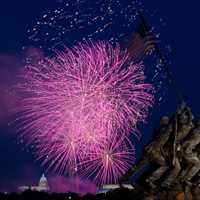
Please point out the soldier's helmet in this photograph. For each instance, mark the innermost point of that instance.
(164, 120)
(181, 108)
(183, 118)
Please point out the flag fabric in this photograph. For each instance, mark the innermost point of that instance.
(141, 44)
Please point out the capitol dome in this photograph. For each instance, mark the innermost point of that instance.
(43, 183)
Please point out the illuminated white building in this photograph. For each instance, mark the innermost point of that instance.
(42, 186)
(109, 187)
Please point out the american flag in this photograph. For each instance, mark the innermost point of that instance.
(141, 44)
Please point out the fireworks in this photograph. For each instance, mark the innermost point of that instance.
(109, 161)
(84, 20)
(79, 109)
(70, 22)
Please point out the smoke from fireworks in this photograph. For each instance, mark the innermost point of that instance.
(79, 108)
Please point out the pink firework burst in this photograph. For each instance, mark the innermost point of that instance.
(76, 101)
(109, 161)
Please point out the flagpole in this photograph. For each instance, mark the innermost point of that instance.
(163, 62)
(171, 78)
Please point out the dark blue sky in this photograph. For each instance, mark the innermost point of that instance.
(181, 33)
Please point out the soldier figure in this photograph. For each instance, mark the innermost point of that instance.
(191, 156)
(154, 153)
(184, 126)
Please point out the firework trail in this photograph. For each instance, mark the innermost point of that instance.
(77, 104)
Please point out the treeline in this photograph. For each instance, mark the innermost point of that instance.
(117, 194)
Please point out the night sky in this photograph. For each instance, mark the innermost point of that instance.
(181, 33)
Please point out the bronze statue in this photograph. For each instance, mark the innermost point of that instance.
(154, 153)
(176, 149)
